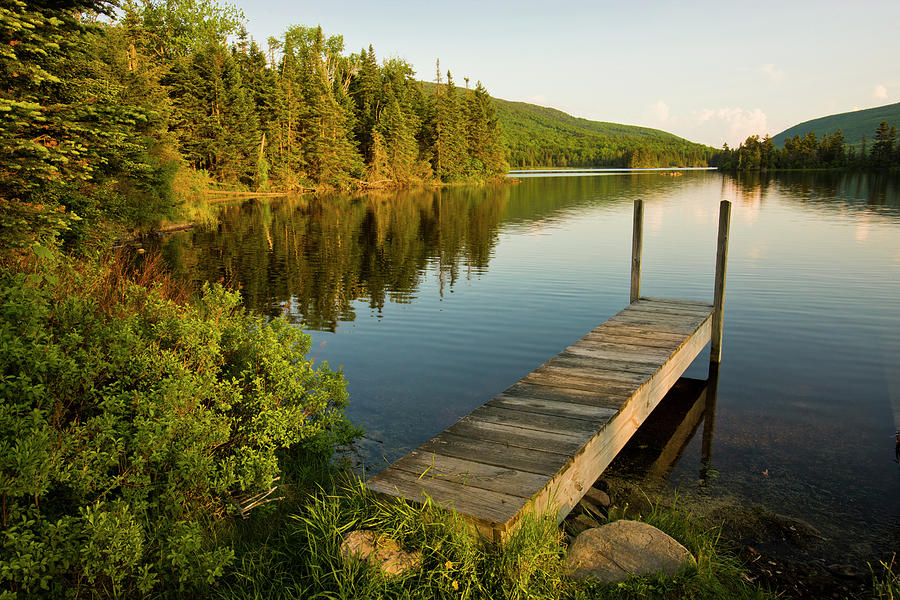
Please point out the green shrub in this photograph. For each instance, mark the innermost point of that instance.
(132, 420)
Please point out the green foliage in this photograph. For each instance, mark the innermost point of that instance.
(321, 75)
(537, 136)
(883, 153)
(101, 118)
(886, 580)
(855, 125)
(173, 29)
(302, 559)
(812, 152)
(76, 120)
(132, 421)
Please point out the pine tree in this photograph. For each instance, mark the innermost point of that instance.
(395, 129)
(328, 152)
(236, 149)
(367, 95)
(450, 156)
(483, 133)
(261, 86)
(70, 124)
(883, 148)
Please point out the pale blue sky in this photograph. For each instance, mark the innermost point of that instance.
(710, 72)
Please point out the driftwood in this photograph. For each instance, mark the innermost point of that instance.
(380, 184)
(249, 194)
(245, 504)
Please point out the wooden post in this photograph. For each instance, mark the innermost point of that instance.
(709, 421)
(715, 352)
(636, 243)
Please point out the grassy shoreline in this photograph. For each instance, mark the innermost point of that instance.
(293, 551)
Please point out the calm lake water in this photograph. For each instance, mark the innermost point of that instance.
(435, 301)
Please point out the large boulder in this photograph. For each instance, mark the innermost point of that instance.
(624, 548)
(380, 551)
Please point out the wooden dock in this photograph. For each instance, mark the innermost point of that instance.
(541, 443)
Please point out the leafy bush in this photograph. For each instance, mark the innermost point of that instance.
(132, 419)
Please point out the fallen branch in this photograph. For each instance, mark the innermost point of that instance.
(245, 504)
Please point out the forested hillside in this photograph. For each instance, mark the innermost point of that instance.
(537, 136)
(810, 151)
(854, 126)
(116, 115)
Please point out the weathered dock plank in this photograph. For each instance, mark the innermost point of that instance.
(489, 453)
(542, 442)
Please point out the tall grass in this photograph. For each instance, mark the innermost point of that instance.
(886, 580)
(295, 553)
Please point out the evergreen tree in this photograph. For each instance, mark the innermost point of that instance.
(483, 133)
(831, 150)
(450, 156)
(262, 87)
(395, 131)
(328, 152)
(236, 148)
(883, 148)
(71, 136)
(366, 91)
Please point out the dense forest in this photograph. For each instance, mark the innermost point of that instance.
(538, 136)
(116, 112)
(813, 152)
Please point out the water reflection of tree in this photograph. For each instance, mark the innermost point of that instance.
(823, 189)
(313, 257)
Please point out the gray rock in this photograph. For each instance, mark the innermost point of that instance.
(624, 548)
(598, 497)
(380, 551)
(797, 527)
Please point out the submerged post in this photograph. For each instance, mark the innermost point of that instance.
(636, 242)
(709, 419)
(718, 316)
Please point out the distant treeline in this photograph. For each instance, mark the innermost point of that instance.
(112, 112)
(812, 152)
(577, 154)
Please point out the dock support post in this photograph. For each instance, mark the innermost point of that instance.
(718, 316)
(709, 421)
(636, 243)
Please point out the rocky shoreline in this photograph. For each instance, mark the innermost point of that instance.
(784, 554)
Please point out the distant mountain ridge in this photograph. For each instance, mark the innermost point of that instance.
(852, 124)
(538, 136)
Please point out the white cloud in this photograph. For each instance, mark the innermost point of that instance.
(772, 72)
(730, 124)
(880, 92)
(657, 114)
